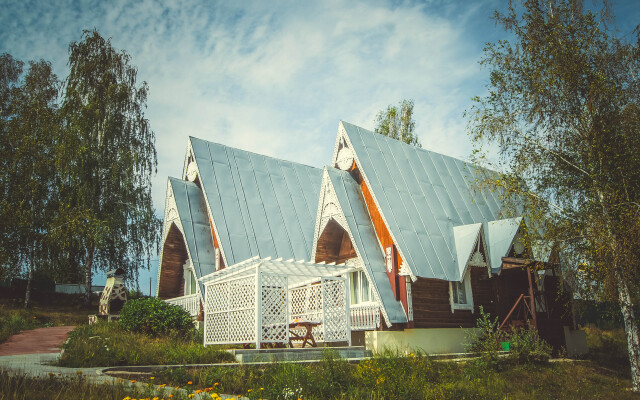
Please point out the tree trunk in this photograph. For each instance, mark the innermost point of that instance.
(27, 295)
(630, 326)
(87, 277)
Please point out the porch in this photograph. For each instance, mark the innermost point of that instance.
(264, 301)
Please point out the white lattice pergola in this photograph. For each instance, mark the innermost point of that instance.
(255, 301)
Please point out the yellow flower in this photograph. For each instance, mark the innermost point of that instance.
(152, 378)
(189, 383)
(79, 372)
(249, 391)
(127, 398)
(198, 391)
(216, 384)
(133, 381)
(191, 395)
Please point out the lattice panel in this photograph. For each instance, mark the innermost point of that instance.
(306, 305)
(334, 307)
(230, 309)
(274, 315)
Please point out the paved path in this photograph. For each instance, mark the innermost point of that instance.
(36, 341)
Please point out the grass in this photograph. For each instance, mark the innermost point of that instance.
(418, 377)
(106, 344)
(608, 348)
(52, 309)
(23, 388)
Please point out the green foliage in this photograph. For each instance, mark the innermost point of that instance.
(608, 348)
(155, 317)
(107, 344)
(397, 123)
(485, 341)
(526, 347)
(563, 109)
(395, 376)
(15, 322)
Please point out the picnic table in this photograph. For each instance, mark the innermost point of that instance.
(307, 337)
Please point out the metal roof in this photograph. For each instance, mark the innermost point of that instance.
(353, 206)
(298, 272)
(195, 223)
(465, 237)
(261, 206)
(422, 195)
(501, 234)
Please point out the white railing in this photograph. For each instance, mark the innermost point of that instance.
(190, 303)
(365, 317)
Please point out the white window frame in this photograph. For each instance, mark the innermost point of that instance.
(189, 279)
(469, 294)
(361, 278)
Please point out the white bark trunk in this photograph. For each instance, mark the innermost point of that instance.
(631, 327)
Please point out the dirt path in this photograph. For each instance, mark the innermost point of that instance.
(36, 341)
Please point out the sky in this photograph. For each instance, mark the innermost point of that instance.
(276, 77)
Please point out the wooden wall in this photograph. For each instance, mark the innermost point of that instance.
(174, 255)
(334, 245)
(432, 309)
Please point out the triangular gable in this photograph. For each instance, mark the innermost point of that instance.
(501, 234)
(421, 196)
(466, 238)
(341, 201)
(258, 205)
(186, 209)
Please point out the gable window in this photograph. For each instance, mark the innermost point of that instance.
(190, 284)
(460, 294)
(360, 289)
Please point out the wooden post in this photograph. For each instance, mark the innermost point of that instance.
(532, 299)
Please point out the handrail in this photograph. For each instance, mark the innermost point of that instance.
(365, 317)
(190, 303)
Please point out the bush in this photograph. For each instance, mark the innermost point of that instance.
(107, 344)
(526, 346)
(486, 341)
(154, 317)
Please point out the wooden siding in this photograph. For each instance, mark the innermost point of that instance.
(174, 255)
(432, 309)
(334, 245)
(215, 243)
(376, 218)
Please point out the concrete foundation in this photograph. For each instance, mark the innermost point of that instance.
(430, 341)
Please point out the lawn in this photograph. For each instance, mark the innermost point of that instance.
(106, 344)
(48, 309)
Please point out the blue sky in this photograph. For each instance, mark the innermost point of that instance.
(276, 77)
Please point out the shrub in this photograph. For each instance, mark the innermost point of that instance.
(154, 317)
(526, 346)
(486, 341)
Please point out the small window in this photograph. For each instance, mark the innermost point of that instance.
(360, 288)
(460, 294)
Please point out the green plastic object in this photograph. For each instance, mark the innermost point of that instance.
(505, 346)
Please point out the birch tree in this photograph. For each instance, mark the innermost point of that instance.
(563, 108)
(29, 136)
(397, 122)
(106, 159)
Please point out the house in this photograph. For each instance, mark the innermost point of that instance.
(400, 236)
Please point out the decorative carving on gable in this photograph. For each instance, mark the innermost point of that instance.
(345, 158)
(192, 171)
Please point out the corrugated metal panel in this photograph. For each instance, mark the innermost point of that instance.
(261, 206)
(192, 212)
(353, 207)
(422, 196)
(500, 236)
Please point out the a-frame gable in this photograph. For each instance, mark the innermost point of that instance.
(340, 202)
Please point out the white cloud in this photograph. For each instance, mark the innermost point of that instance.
(273, 78)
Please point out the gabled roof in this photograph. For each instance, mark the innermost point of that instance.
(465, 237)
(422, 195)
(195, 225)
(352, 204)
(261, 206)
(501, 234)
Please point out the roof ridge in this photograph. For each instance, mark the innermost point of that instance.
(254, 153)
(468, 162)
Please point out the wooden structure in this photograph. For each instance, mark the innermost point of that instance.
(425, 248)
